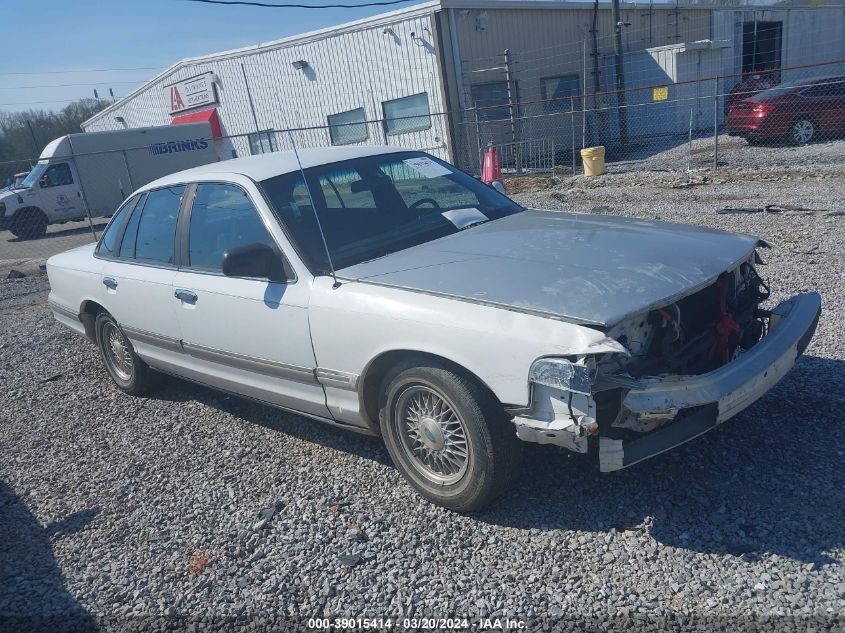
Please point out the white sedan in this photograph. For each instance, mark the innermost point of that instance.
(387, 292)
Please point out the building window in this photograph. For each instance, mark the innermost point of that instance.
(263, 142)
(348, 127)
(407, 114)
(555, 90)
(487, 96)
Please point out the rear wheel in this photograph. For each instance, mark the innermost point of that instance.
(802, 131)
(127, 370)
(29, 224)
(447, 436)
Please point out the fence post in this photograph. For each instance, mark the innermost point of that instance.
(716, 124)
(572, 126)
(584, 96)
(478, 138)
(512, 110)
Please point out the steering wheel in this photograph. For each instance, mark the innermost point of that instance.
(422, 201)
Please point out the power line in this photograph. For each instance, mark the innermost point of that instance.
(269, 5)
(50, 101)
(91, 70)
(105, 82)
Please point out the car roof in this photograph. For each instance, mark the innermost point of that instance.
(271, 164)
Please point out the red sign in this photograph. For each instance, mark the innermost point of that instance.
(176, 102)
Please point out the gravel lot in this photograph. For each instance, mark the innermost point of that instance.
(189, 507)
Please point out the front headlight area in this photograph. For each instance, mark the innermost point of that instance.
(562, 410)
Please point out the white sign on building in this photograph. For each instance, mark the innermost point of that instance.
(191, 93)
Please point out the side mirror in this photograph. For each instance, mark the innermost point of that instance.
(254, 260)
(498, 186)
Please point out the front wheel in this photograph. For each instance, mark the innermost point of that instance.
(29, 224)
(127, 370)
(447, 436)
(802, 131)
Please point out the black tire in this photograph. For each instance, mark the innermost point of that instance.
(131, 374)
(29, 224)
(493, 452)
(802, 131)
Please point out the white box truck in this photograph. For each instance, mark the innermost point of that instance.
(91, 173)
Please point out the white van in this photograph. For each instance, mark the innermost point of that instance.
(91, 173)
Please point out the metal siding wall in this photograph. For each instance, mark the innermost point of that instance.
(550, 42)
(347, 70)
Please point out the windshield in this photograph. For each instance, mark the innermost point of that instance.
(376, 205)
(34, 175)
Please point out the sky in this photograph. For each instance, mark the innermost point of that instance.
(59, 42)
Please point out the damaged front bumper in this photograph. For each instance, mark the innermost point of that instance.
(688, 406)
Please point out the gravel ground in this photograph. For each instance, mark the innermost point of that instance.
(190, 507)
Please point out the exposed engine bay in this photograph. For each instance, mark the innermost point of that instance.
(696, 334)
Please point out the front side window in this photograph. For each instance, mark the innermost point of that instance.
(407, 114)
(222, 218)
(555, 90)
(108, 243)
(57, 175)
(263, 142)
(348, 127)
(157, 225)
(372, 206)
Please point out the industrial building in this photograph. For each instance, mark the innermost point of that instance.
(448, 76)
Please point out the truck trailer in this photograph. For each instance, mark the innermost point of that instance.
(89, 174)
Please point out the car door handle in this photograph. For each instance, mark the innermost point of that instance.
(185, 295)
(109, 282)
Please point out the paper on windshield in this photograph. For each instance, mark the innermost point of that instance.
(426, 167)
(463, 218)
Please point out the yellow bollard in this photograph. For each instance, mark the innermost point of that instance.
(593, 159)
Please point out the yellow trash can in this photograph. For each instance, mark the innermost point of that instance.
(593, 159)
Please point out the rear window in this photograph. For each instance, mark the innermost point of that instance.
(108, 243)
(773, 93)
(157, 227)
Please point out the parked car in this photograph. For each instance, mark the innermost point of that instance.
(798, 112)
(386, 292)
(89, 174)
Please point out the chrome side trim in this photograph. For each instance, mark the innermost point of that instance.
(150, 338)
(65, 312)
(250, 363)
(333, 378)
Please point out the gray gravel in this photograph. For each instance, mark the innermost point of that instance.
(120, 511)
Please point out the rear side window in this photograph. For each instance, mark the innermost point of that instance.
(109, 242)
(222, 218)
(157, 226)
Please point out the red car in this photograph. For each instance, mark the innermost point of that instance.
(798, 112)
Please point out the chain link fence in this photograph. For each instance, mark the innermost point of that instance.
(642, 123)
(685, 126)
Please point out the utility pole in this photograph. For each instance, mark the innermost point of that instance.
(616, 18)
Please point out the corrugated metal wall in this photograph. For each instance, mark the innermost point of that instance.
(347, 69)
(546, 43)
(811, 35)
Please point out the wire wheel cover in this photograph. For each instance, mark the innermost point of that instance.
(432, 435)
